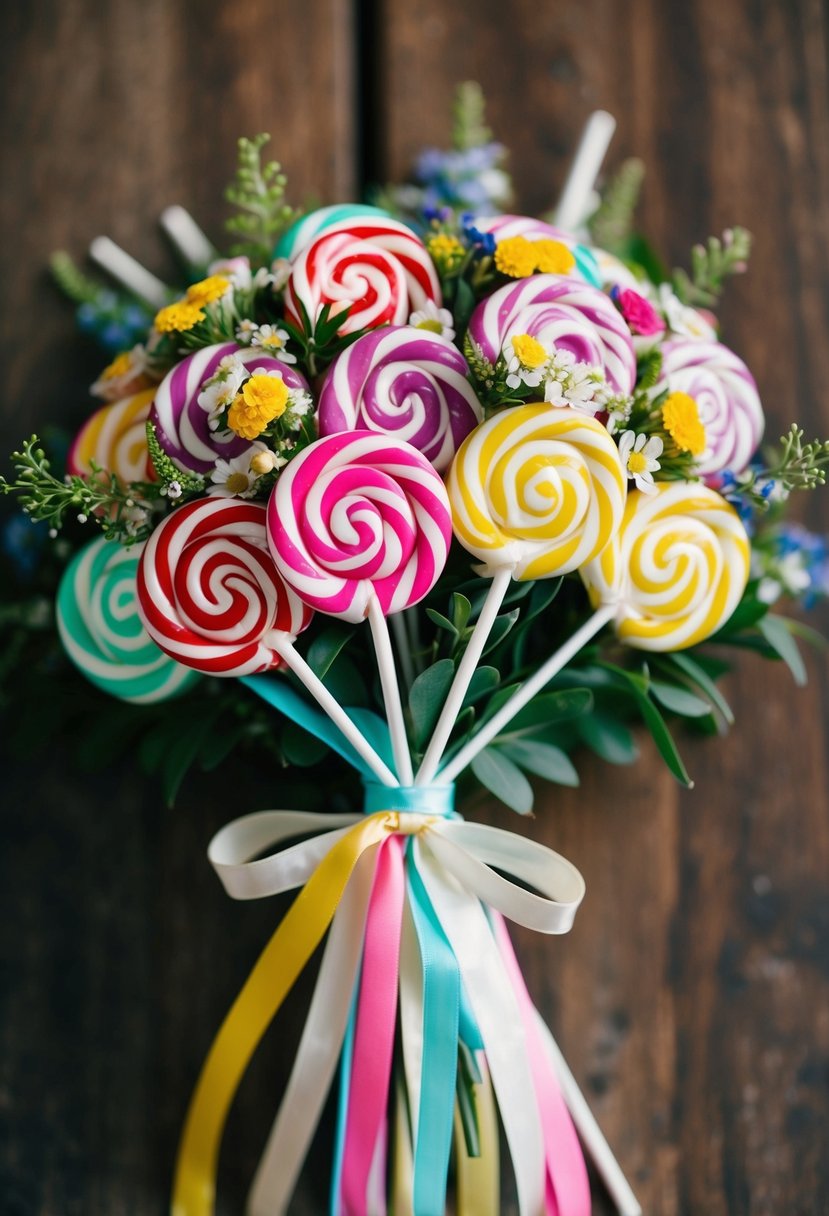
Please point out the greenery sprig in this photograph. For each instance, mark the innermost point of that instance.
(797, 466)
(124, 513)
(611, 225)
(469, 129)
(711, 265)
(258, 193)
(168, 473)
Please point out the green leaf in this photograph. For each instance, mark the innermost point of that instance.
(543, 759)
(461, 610)
(637, 685)
(441, 621)
(484, 680)
(608, 738)
(182, 753)
(504, 779)
(776, 632)
(679, 700)
(697, 674)
(326, 646)
(500, 628)
(548, 708)
(300, 748)
(747, 613)
(427, 696)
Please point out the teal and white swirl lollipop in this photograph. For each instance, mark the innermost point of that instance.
(101, 631)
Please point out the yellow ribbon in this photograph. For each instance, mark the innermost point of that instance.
(478, 1178)
(279, 965)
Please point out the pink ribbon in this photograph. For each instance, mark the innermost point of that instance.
(567, 1186)
(374, 1036)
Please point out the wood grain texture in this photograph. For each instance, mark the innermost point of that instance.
(692, 998)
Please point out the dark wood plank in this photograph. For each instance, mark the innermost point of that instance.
(692, 997)
(121, 953)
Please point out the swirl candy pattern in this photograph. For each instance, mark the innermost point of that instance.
(115, 439)
(182, 424)
(538, 489)
(357, 515)
(504, 226)
(726, 396)
(371, 272)
(209, 593)
(301, 233)
(407, 383)
(559, 312)
(677, 567)
(101, 631)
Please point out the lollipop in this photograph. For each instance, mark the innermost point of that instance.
(99, 625)
(359, 525)
(503, 227)
(182, 423)
(300, 234)
(676, 568)
(726, 396)
(407, 383)
(536, 492)
(371, 272)
(561, 313)
(115, 439)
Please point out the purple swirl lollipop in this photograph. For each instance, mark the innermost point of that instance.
(182, 422)
(562, 313)
(404, 382)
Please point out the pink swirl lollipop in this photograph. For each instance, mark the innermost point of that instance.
(183, 424)
(726, 396)
(403, 382)
(209, 593)
(371, 272)
(562, 313)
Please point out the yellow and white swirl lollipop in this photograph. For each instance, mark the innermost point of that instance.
(536, 491)
(676, 568)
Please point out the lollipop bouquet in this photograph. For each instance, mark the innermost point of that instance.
(450, 491)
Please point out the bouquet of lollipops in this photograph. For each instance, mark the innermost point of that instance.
(450, 492)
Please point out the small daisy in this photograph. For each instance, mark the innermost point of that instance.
(272, 340)
(237, 270)
(220, 391)
(528, 362)
(640, 456)
(435, 320)
(234, 478)
(280, 273)
(683, 320)
(245, 331)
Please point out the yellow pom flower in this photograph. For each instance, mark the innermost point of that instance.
(262, 399)
(515, 257)
(208, 290)
(553, 257)
(445, 251)
(529, 351)
(119, 366)
(681, 420)
(178, 317)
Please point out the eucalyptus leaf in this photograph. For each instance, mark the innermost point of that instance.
(608, 738)
(484, 681)
(679, 700)
(543, 759)
(326, 646)
(699, 676)
(461, 610)
(301, 748)
(427, 696)
(501, 627)
(778, 635)
(504, 779)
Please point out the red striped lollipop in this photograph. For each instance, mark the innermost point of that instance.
(209, 593)
(371, 272)
(359, 515)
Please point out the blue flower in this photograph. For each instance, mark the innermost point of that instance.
(22, 540)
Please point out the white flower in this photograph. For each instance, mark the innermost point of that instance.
(234, 478)
(280, 273)
(618, 408)
(528, 361)
(235, 269)
(219, 391)
(681, 319)
(640, 456)
(174, 489)
(245, 331)
(271, 339)
(262, 278)
(124, 375)
(435, 320)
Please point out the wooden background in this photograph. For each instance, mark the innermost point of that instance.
(692, 998)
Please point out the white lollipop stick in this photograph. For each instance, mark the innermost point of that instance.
(591, 1134)
(391, 691)
(526, 692)
(129, 273)
(575, 197)
(399, 625)
(187, 237)
(463, 676)
(285, 649)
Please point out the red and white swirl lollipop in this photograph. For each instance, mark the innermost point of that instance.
(727, 400)
(360, 525)
(371, 272)
(403, 382)
(182, 422)
(211, 597)
(560, 313)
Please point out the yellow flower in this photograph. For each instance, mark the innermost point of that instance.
(529, 351)
(445, 251)
(208, 290)
(178, 317)
(515, 257)
(553, 257)
(681, 419)
(119, 366)
(262, 399)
